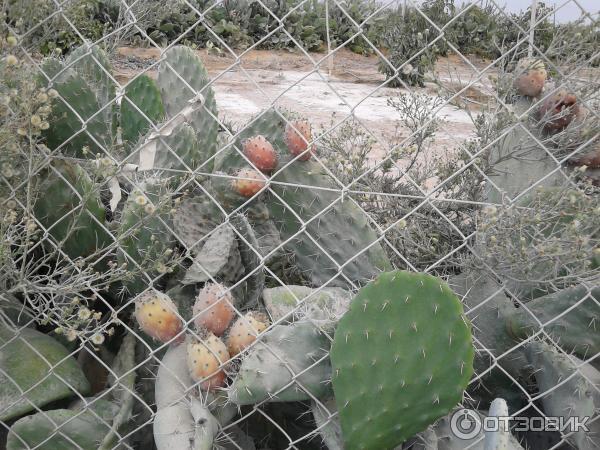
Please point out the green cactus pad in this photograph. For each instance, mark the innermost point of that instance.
(141, 94)
(91, 62)
(401, 357)
(77, 103)
(251, 260)
(194, 218)
(564, 391)
(34, 371)
(145, 236)
(324, 231)
(59, 429)
(323, 306)
(180, 73)
(71, 210)
(287, 362)
(178, 151)
(569, 317)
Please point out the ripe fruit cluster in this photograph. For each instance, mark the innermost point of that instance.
(260, 152)
(220, 336)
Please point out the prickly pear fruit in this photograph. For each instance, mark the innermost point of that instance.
(213, 309)
(157, 316)
(261, 153)
(530, 76)
(248, 182)
(244, 331)
(297, 137)
(558, 110)
(205, 359)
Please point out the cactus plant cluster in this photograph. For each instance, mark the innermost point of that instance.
(528, 281)
(205, 231)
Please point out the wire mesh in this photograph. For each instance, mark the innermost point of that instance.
(442, 167)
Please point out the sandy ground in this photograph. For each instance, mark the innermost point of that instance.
(303, 83)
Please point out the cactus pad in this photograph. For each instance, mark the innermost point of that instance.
(569, 316)
(323, 230)
(401, 357)
(71, 210)
(76, 121)
(35, 370)
(181, 77)
(287, 362)
(91, 62)
(145, 235)
(141, 94)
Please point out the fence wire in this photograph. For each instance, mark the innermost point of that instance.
(444, 168)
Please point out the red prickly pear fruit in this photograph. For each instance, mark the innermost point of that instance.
(157, 316)
(204, 359)
(213, 309)
(297, 137)
(261, 153)
(245, 330)
(559, 110)
(248, 182)
(530, 76)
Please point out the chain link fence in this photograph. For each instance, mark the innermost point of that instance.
(195, 194)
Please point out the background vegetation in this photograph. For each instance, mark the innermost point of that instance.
(237, 24)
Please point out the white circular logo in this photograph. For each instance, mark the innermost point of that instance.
(465, 424)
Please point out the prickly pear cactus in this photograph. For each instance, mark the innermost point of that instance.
(145, 235)
(75, 105)
(569, 317)
(401, 358)
(37, 365)
(141, 108)
(92, 63)
(185, 88)
(57, 430)
(71, 210)
(251, 259)
(194, 218)
(565, 392)
(288, 363)
(218, 257)
(323, 231)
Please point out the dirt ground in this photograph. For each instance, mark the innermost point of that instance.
(303, 83)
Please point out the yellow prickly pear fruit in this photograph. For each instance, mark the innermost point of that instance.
(248, 182)
(157, 316)
(205, 359)
(530, 76)
(245, 330)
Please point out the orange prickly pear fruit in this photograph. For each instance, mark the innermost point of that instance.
(205, 359)
(213, 309)
(157, 316)
(297, 136)
(244, 331)
(248, 182)
(260, 152)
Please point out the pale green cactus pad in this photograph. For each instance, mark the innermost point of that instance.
(35, 370)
